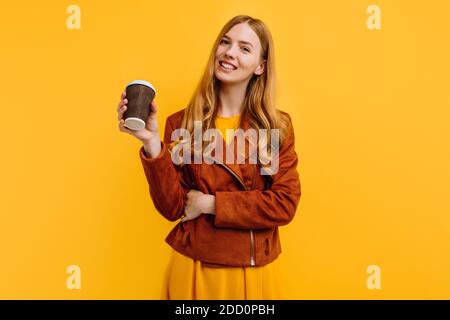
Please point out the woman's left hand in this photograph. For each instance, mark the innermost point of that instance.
(197, 203)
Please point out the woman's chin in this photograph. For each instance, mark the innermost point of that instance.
(224, 78)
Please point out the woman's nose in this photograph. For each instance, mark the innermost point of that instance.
(231, 52)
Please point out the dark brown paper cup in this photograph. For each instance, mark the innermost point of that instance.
(139, 94)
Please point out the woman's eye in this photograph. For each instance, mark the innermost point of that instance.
(226, 42)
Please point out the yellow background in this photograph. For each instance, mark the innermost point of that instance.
(371, 110)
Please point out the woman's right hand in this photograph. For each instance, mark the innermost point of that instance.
(149, 135)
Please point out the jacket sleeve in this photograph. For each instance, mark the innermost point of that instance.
(256, 209)
(168, 183)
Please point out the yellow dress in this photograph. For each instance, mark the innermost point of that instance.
(187, 279)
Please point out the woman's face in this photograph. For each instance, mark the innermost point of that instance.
(240, 46)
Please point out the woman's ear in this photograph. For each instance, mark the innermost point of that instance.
(261, 68)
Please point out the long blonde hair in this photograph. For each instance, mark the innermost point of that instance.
(260, 96)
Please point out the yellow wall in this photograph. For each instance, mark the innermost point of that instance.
(371, 109)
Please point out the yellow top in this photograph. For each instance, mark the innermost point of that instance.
(223, 123)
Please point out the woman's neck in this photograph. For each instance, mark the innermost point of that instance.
(231, 99)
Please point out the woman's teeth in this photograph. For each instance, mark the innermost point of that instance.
(227, 66)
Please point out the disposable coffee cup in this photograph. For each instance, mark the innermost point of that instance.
(139, 94)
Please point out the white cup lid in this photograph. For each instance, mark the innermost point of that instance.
(143, 82)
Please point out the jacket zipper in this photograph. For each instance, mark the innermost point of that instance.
(252, 237)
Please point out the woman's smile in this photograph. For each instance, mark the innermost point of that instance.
(223, 66)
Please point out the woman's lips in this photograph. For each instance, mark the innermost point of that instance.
(228, 63)
(225, 69)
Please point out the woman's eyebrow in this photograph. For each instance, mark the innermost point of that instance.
(241, 41)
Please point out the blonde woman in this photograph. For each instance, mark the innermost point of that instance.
(226, 242)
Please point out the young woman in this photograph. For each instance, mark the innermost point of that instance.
(226, 244)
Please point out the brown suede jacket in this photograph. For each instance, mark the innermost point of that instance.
(249, 205)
